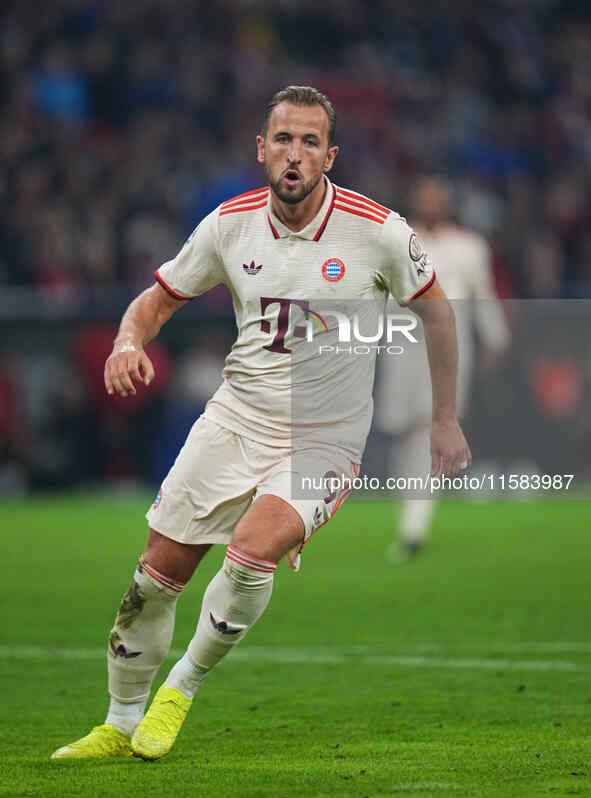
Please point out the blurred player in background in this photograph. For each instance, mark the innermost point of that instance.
(463, 259)
(275, 247)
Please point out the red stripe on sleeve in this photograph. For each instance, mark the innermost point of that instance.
(358, 213)
(420, 291)
(361, 198)
(171, 291)
(364, 207)
(237, 209)
(239, 198)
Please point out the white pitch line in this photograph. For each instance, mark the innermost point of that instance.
(315, 656)
(552, 647)
(495, 647)
(474, 663)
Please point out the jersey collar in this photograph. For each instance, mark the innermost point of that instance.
(313, 230)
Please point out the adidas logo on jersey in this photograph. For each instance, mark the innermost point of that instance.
(251, 268)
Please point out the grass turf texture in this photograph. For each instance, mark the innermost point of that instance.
(496, 703)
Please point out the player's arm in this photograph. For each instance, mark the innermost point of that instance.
(128, 362)
(449, 450)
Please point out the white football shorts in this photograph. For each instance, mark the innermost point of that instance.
(218, 474)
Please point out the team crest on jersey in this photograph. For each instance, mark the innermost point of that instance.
(333, 270)
(251, 268)
(158, 499)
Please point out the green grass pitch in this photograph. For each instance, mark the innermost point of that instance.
(465, 672)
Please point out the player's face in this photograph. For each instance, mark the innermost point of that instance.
(295, 150)
(430, 202)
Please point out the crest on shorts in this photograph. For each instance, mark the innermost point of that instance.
(250, 268)
(333, 270)
(158, 498)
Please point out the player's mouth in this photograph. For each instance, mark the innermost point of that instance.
(291, 177)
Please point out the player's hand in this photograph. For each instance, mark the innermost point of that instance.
(127, 364)
(450, 453)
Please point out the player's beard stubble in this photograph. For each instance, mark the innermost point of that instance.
(293, 196)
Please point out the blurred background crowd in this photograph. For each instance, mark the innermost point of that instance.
(123, 123)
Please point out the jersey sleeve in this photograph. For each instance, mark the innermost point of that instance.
(405, 264)
(198, 266)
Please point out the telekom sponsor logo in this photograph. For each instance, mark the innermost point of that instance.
(390, 326)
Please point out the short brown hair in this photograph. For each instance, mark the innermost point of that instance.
(302, 95)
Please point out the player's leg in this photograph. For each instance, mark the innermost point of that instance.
(143, 629)
(233, 601)
(139, 642)
(414, 523)
(411, 460)
(197, 505)
(278, 521)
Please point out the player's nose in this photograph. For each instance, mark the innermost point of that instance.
(294, 154)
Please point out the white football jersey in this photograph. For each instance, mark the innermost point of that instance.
(354, 249)
(464, 272)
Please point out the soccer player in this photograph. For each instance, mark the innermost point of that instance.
(298, 237)
(464, 271)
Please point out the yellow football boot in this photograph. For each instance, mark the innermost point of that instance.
(157, 732)
(102, 741)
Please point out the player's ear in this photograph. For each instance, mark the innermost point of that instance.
(330, 156)
(260, 149)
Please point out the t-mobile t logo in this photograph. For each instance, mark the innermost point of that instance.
(299, 331)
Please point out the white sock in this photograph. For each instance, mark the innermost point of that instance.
(234, 600)
(411, 458)
(141, 636)
(186, 677)
(415, 519)
(125, 717)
